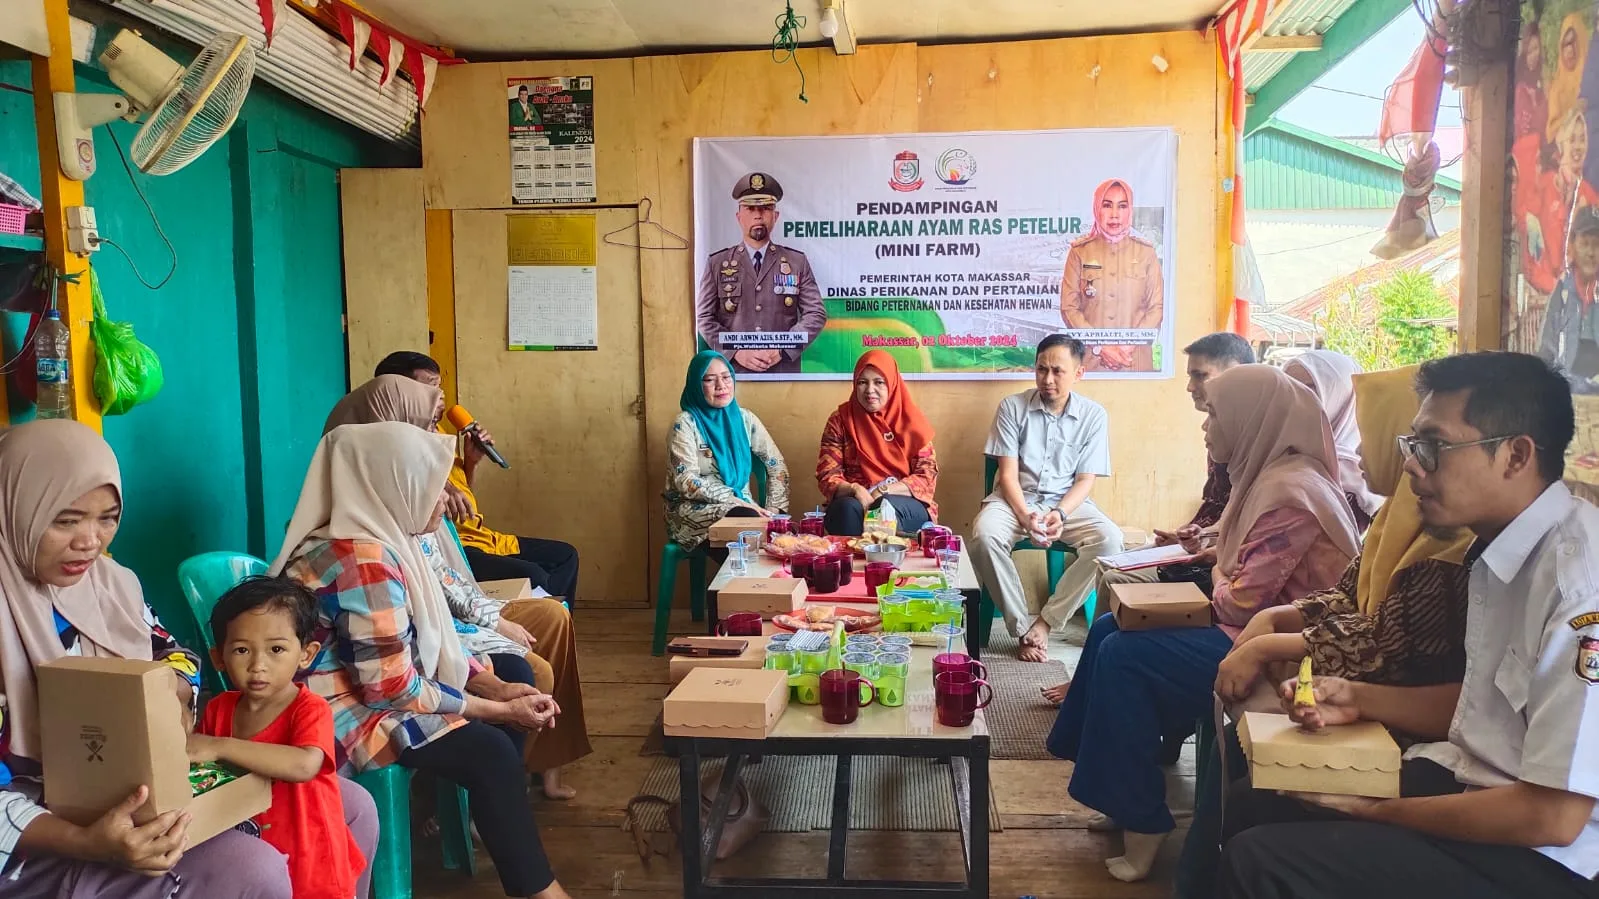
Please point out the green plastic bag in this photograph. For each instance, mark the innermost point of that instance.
(126, 372)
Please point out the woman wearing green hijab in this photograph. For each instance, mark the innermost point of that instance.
(711, 453)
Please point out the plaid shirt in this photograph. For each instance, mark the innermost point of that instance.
(838, 462)
(1218, 486)
(367, 669)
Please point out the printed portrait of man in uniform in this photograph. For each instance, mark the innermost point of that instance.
(1113, 280)
(758, 303)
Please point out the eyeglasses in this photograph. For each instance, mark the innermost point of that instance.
(1426, 450)
(716, 380)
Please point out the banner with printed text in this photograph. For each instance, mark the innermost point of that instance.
(955, 252)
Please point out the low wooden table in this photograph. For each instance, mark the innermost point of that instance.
(853, 596)
(909, 731)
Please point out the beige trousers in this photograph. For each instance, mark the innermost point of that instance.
(997, 531)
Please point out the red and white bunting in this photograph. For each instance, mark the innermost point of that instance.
(391, 51)
(272, 13)
(355, 31)
(421, 66)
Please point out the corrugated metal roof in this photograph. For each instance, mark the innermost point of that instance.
(1288, 167)
(1299, 17)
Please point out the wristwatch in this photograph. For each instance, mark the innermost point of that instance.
(881, 487)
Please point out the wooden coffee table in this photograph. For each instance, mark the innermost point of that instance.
(909, 731)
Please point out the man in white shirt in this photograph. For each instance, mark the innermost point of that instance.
(1051, 444)
(1514, 769)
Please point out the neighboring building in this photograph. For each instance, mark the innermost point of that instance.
(1315, 207)
(1293, 324)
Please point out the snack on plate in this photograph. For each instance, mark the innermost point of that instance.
(877, 538)
(823, 618)
(784, 545)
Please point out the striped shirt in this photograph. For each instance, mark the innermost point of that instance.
(367, 668)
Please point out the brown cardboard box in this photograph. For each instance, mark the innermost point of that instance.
(766, 595)
(508, 589)
(753, 656)
(726, 530)
(1142, 607)
(110, 725)
(1358, 759)
(727, 703)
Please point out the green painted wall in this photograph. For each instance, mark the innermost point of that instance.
(249, 329)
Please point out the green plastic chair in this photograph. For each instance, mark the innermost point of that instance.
(1054, 561)
(673, 555)
(204, 578)
(390, 787)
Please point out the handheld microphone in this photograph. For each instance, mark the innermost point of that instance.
(466, 424)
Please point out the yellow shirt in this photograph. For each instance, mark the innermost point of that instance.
(473, 531)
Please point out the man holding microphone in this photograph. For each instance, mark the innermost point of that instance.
(548, 564)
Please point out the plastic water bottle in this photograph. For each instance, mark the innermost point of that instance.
(53, 346)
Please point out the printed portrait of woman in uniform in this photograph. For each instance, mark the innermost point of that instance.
(1113, 281)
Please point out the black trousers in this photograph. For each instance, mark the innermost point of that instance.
(1284, 849)
(846, 517)
(483, 759)
(550, 564)
(513, 670)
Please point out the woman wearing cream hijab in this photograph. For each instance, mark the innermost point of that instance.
(1398, 615)
(60, 505)
(525, 641)
(389, 398)
(401, 687)
(1286, 532)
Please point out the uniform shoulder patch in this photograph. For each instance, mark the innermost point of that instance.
(1587, 619)
(1588, 659)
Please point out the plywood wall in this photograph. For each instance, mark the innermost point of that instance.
(567, 422)
(385, 269)
(649, 110)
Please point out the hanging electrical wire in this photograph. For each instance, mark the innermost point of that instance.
(786, 41)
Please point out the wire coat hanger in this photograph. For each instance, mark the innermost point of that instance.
(637, 227)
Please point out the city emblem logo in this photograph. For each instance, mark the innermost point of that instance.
(907, 172)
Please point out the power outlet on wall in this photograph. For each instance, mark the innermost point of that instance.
(83, 235)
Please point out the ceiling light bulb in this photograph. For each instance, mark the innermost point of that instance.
(829, 23)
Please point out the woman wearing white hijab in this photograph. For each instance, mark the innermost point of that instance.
(60, 505)
(401, 687)
(1331, 377)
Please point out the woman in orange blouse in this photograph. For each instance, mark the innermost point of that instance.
(877, 446)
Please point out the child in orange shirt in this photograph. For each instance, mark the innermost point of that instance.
(278, 729)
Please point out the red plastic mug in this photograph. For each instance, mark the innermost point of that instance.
(957, 696)
(959, 661)
(824, 576)
(844, 692)
(799, 564)
(877, 574)
(846, 566)
(933, 540)
(740, 624)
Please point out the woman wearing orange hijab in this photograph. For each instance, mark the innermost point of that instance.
(877, 446)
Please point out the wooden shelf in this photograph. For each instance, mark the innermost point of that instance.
(30, 243)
